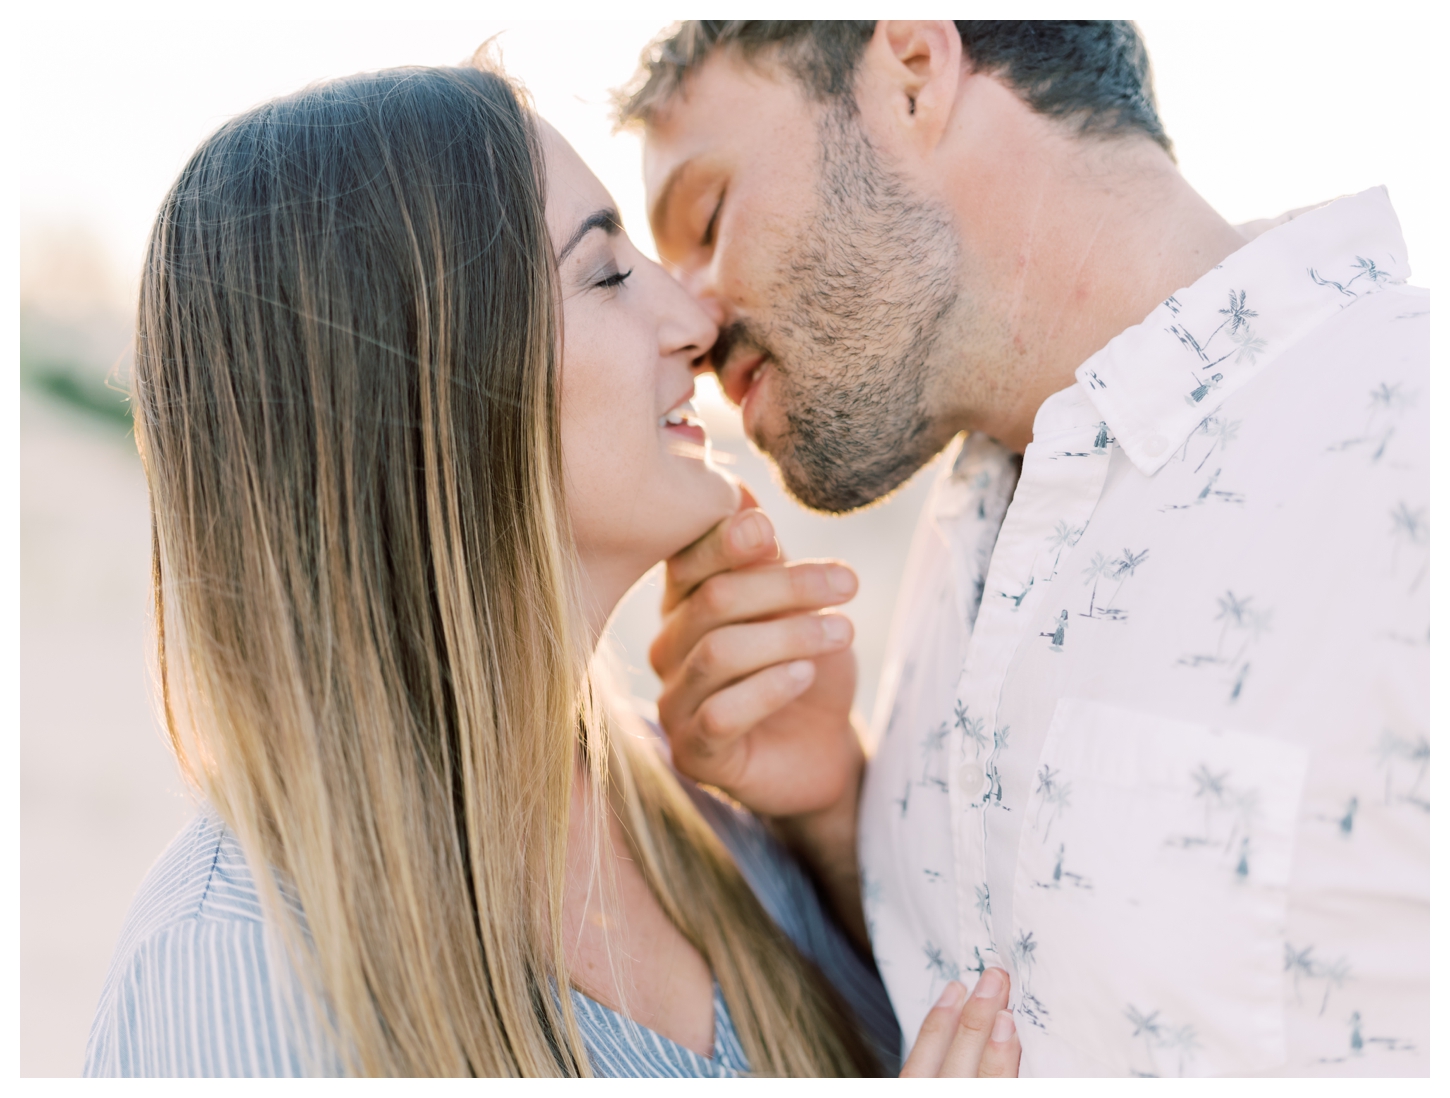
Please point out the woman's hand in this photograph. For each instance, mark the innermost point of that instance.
(967, 1037)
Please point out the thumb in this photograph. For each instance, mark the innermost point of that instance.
(744, 538)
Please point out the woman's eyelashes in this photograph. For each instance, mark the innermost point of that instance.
(615, 279)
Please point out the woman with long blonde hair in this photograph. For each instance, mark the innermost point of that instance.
(414, 417)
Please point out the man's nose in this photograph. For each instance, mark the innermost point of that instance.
(699, 282)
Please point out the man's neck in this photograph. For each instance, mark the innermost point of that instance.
(1083, 241)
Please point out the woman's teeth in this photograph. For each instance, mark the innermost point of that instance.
(679, 416)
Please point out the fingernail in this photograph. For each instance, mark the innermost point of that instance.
(952, 996)
(750, 532)
(989, 986)
(800, 670)
(1003, 1027)
(842, 580)
(836, 628)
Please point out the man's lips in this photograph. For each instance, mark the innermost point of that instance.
(737, 377)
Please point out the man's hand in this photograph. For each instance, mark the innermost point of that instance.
(758, 678)
(968, 1038)
(757, 682)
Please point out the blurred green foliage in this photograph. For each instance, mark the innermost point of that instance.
(70, 384)
(76, 363)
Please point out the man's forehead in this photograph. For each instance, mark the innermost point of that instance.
(715, 112)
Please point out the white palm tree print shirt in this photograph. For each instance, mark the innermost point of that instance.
(1154, 721)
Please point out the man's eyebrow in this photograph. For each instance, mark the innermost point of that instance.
(606, 219)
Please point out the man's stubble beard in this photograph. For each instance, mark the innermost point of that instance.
(865, 300)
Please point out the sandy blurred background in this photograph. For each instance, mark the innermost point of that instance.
(1266, 117)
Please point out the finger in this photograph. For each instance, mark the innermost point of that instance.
(755, 593)
(727, 655)
(974, 1028)
(727, 715)
(926, 1056)
(746, 537)
(1003, 1053)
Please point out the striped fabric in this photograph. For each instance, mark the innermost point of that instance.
(621, 1048)
(191, 990)
(196, 989)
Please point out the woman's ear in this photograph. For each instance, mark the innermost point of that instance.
(910, 74)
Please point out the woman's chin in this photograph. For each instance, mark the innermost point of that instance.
(732, 489)
(718, 499)
(711, 497)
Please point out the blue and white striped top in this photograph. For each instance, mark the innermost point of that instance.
(192, 990)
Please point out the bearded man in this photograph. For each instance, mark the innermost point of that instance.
(1153, 734)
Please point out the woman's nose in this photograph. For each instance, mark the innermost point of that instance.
(690, 328)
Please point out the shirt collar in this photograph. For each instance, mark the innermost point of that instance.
(1154, 383)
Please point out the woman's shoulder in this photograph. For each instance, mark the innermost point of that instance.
(191, 991)
(202, 875)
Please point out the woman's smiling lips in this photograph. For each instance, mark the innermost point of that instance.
(683, 422)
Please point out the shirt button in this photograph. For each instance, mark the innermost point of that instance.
(1154, 445)
(969, 777)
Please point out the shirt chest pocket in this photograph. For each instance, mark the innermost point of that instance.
(1150, 894)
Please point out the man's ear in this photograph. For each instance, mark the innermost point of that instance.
(909, 79)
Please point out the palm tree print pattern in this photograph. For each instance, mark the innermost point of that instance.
(972, 730)
(1016, 600)
(1247, 345)
(992, 796)
(942, 968)
(1227, 613)
(978, 968)
(1055, 794)
(1175, 1044)
(933, 749)
(984, 905)
(1304, 967)
(1024, 956)
(904, 801)
(1209, 493)
(1229, 815)
(1363, 268)
(1243, 625)
(1387, 403)
(1406, 766)
(1222, 431)
(1063, 538)
(1409, 526)
(1117, 570)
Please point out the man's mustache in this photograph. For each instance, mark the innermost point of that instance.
(736, 337)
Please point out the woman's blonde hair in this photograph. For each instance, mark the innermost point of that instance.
(371, 655)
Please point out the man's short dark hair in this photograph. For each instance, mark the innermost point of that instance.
(1092, 73)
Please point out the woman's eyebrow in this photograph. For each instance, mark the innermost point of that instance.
(606, 219)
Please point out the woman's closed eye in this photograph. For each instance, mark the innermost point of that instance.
(614, 279)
